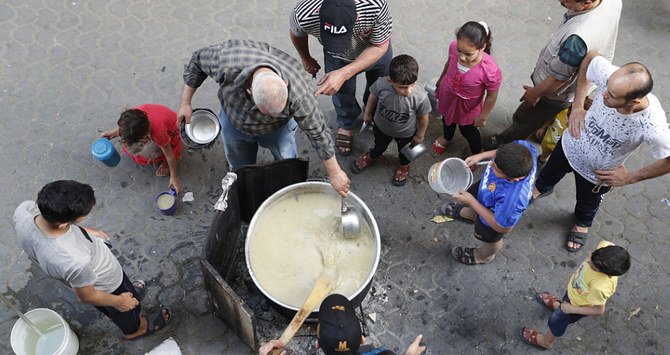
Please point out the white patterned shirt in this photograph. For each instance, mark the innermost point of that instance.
(610, 136)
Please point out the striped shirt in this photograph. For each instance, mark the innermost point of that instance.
(232, 64)
(374, 24)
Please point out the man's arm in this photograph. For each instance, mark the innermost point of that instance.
(185, 109)
(89, 295)
(548, 86)
(332, 81)
(578, 113)
(621, 176)
(301, 44)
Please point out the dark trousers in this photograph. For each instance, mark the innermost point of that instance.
(382, 142)
(527, 118)
(128, 322)
(469, 132)
(588, 201)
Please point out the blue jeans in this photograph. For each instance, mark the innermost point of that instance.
(559, 321)
(346, 106)
(241, 148)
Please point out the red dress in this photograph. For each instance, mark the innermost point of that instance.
(163, 130)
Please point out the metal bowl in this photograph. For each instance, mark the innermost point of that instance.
(203, 129)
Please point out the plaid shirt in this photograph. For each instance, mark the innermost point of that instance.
(232, 64)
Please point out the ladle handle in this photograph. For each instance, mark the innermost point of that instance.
(324, 284)
(21, 315)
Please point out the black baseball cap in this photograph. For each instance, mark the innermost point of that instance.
(337, 18)
(339, 330)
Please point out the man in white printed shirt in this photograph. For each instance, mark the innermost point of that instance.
(624, 115)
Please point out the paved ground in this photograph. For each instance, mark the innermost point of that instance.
(68, 68)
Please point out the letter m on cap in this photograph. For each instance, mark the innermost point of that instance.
(343, 346)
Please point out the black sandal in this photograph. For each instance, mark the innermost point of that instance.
(453, 210)
(464, 255)
(578, 238)
(158, 323)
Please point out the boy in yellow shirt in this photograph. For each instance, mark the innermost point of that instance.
(590, 286)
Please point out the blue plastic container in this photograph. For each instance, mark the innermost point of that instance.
(169, 206)
(103, 150)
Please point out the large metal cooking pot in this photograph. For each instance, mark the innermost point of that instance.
(321, 188)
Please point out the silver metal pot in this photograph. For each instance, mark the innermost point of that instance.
(322, 188)
(412, 152)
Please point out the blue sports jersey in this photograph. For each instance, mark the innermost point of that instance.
(508, 200)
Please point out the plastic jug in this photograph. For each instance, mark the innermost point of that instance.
(103, 150)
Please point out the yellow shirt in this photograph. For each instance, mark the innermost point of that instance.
(588, 287)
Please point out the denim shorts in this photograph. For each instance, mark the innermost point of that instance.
(559, 321)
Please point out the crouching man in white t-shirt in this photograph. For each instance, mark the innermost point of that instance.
(48, 232)
(623, 116)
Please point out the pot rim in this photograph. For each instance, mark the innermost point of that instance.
(322, 187)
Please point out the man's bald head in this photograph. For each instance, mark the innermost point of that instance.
(269, 92)
(637, 80)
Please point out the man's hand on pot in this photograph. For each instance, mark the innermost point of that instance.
(340, 182)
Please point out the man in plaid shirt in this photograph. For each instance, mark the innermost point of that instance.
(264, 97)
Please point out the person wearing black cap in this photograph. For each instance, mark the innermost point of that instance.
(339, 332)
(356, 38)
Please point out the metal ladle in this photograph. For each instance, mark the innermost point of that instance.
(351, 224)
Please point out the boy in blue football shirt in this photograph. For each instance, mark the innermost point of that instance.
(496, 203)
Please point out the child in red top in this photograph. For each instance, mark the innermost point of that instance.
(470, 72)
(150, 135)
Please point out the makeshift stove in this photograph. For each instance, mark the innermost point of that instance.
(232, 291)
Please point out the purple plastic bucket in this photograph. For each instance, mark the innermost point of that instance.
(166, 202)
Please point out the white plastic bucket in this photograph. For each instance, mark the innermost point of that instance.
(59, 339)
(450, 176)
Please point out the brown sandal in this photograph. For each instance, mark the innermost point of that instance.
(344, 143)
(361, 163)
(532, 339)
(548, 300)
(400, 177)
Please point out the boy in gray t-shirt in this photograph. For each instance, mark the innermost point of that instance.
(79, 257)
(401, 115)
